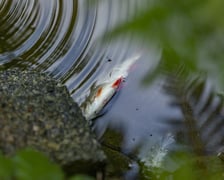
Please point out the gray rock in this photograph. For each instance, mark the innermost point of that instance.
(38, 112)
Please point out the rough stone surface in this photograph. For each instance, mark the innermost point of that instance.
(38, 112)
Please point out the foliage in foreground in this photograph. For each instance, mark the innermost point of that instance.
(188, 32)
(186, 167)
(28, 164)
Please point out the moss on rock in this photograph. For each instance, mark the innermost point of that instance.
(36, 111)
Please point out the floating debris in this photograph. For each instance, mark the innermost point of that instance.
(154, 157)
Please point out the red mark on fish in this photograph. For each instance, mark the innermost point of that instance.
(105, 91)
(117, 83)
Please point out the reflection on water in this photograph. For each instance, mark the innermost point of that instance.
(202, 111)
(63, 39)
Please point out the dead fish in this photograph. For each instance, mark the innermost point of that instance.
(103, 92)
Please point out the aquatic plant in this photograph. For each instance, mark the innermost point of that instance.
(200, 128)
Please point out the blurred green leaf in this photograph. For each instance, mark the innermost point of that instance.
(189, 167)
(34, 165)
(6, 168)
(212, 12)
(81, 177)
(189, 33)
(29, 164)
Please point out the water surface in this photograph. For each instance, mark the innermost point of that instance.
(65, 40)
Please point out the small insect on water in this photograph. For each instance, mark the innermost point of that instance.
(106, 90)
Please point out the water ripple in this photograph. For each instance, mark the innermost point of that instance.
(63, 38)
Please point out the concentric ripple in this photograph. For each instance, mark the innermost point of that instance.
(63, 38)
(36, 31)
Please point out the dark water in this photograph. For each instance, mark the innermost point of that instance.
(64, 39)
